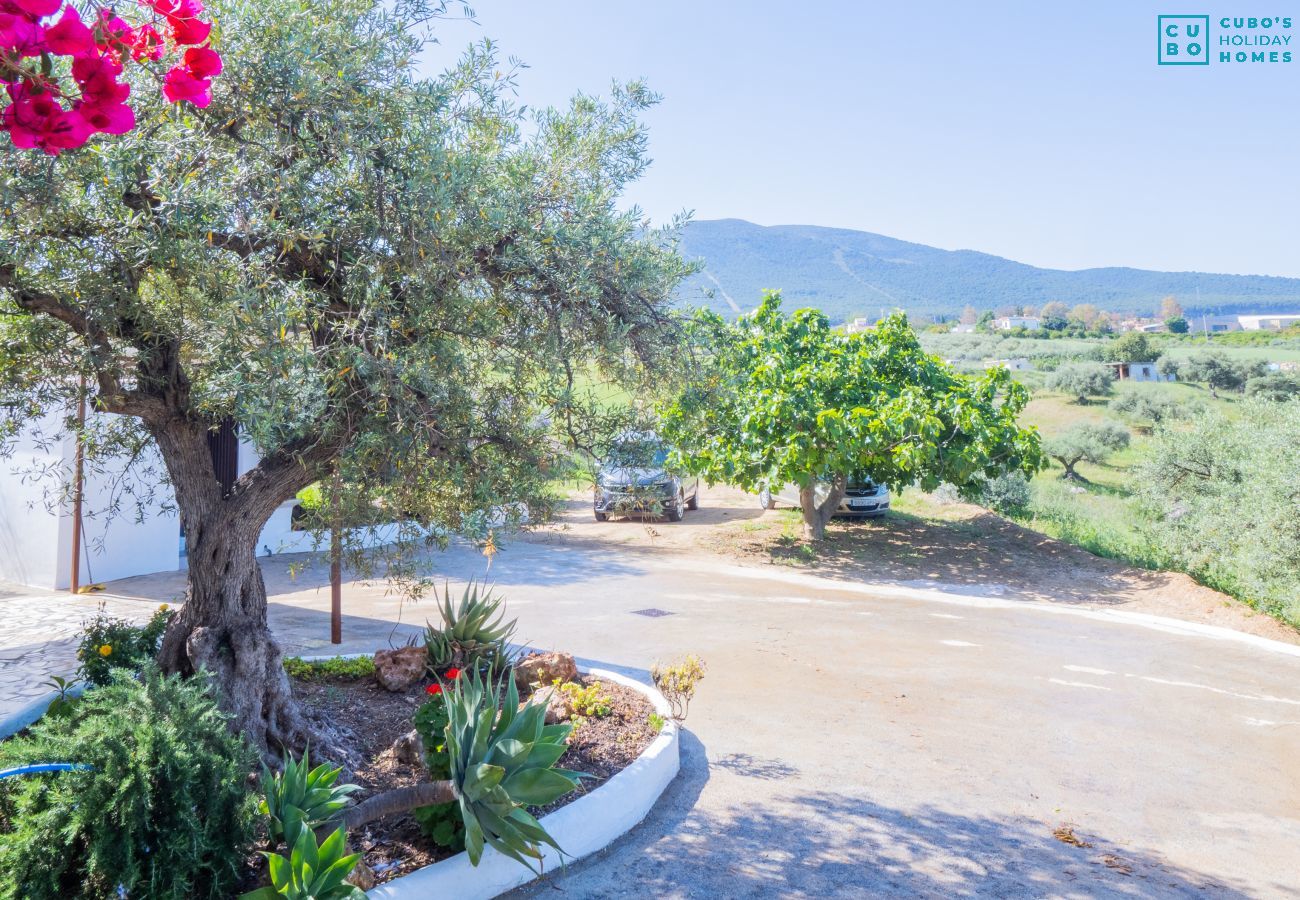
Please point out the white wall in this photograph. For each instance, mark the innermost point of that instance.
(30, 536)
(36, 530)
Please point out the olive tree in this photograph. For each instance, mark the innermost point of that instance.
(1083, 380)
(787, 399)
(1217, 371)
(374, 274)
(1222, 493)
(1085, 442)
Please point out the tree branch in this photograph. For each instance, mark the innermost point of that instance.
(401, 800)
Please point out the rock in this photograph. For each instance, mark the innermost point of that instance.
(557, 703)
(544, 668)
(409, 748)
(398, 669)
(362, 876)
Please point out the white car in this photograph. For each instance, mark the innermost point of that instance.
(862, 499)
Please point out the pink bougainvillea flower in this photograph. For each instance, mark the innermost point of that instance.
(97, 77)
(70, 36)
(203, 62)
(190, 31)
(111, 31)
(38, 121)
(113, 118)
(36, 8)
(19, 33)
(180, 85)
(148, 44)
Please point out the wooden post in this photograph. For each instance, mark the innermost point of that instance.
(336, 563)
(77, 490)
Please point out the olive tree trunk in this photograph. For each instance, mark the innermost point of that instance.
(222, 625)
(817, 516)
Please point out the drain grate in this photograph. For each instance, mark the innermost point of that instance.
(651, 613)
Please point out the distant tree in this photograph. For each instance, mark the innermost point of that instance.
(785, 399)
(1169, 308)
(1086, 315)
(1176, 325)
(1132, 346)
(1054, 322)
(1278, 387)
(1055, 308)
(1083, 380)
(986, 319)
(1147, 410)
(969, 315)
(1085, 442)
(1170, 366)
(1218, 372)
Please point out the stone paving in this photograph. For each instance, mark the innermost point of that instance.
(38, 637)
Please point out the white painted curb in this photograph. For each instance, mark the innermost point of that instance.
(582, 827)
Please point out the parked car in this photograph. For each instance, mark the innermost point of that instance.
(633, 480)
(862, 499)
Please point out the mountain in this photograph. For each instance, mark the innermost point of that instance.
(856, 273)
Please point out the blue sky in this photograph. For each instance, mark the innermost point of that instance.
(1043, 132)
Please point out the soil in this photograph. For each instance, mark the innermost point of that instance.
(369, 718)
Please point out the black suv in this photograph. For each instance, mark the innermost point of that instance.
(633, 481)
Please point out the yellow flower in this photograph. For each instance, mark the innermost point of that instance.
(164, 608)
(105, 649)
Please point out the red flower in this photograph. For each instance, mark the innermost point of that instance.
(433, 689)
(452, 673)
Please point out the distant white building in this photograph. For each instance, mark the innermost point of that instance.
(1213, 324)
(1138, 371)
(1151, 327)
(858, 324)
(964, 328)
(1007, 323)
(1271, 321)
(1019, 364)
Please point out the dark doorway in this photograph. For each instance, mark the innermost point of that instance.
(223, 443)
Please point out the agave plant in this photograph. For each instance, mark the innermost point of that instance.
(311, 871)
(474, 632)
(503, 760)
(301, 796)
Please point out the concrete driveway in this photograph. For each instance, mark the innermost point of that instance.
(864, 741)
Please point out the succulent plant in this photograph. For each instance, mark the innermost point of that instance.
(474, 632)
(503, 760)
(301, 796)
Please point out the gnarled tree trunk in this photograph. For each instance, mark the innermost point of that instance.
(222, 626)
(816, 516)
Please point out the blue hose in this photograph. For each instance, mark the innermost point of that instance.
(38, 768)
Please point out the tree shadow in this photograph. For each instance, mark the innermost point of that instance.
(975, 552)
(831, 845)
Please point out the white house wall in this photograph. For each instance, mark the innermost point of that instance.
(30, 536)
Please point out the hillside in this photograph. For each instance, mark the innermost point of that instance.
(848, 273)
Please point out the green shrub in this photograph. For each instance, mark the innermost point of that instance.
(108, 643)
(677, 682)
(334, 667)
(1007, 493)
(440, 822)
(587, 702)
(165, 812)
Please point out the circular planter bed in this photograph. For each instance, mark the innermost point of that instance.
(630, 763)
